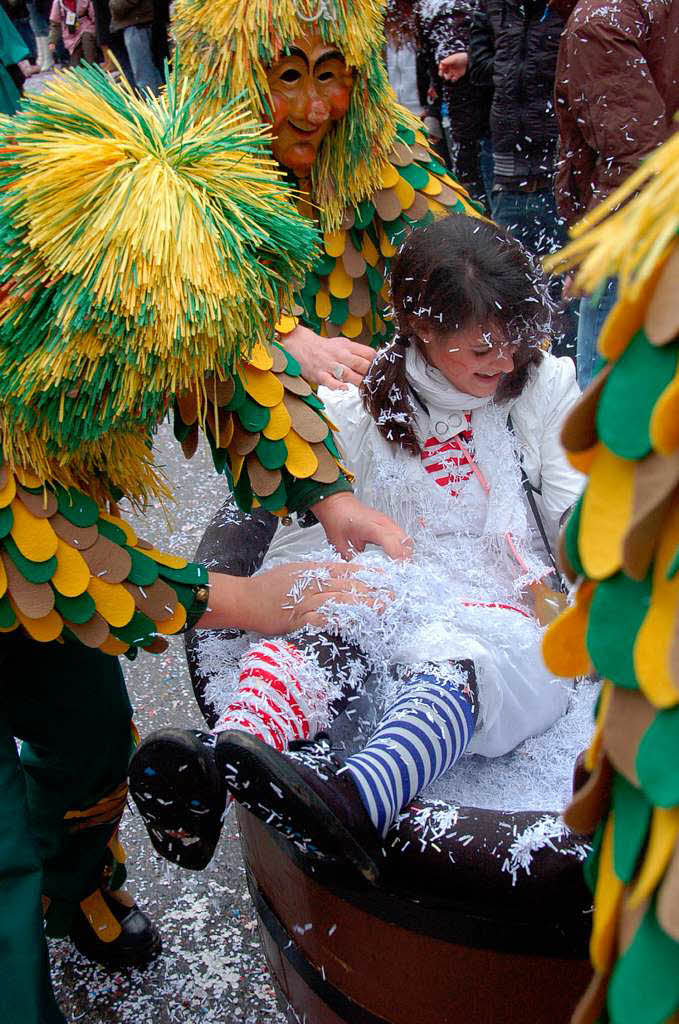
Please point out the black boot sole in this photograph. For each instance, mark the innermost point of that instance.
(284, 800)
(176, 786)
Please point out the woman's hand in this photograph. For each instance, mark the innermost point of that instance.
(331, 362)
(283, 599)
(454, 67)
(349, 525)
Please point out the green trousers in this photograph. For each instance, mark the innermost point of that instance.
(70, 707)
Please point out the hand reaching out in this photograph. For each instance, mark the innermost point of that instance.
(349, 525)
(283, 599)
(331, 362)
(454, 67)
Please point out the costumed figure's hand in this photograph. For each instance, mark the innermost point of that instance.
(283, 599)
(454, 67)
(349, 525)
(331, 362)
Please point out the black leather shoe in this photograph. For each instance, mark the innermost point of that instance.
(137, 944)
(304, 794)
(180, 794)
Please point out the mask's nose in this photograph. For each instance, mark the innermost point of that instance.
(318, 111)
(310, 107)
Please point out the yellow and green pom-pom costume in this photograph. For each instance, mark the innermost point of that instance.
(622, 543)
(145, 249)
(375, 177)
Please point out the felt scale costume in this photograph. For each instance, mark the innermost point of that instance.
(375, 177)
(144, 250)
(622, 543)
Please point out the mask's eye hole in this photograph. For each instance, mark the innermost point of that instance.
(290, 76)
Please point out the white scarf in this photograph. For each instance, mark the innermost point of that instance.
(495, 452)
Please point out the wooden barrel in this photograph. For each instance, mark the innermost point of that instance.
(340, 950)
(460, 928)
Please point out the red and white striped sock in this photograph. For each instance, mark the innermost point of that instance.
(271, 703)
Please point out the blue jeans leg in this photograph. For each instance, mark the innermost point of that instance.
(593, 313)
(38, 21)
(23, 27)
(533, 219)
(138, 45)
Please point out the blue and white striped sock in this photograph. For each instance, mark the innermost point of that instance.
(422, 735)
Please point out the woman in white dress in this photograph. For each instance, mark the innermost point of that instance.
(446, 423)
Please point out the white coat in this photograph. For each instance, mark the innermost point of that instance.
(461, 541)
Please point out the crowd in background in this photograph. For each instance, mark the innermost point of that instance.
(541, 108)
(128, 34)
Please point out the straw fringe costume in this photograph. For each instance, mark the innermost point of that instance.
(144, 250)
(622, 542)
(375, 177)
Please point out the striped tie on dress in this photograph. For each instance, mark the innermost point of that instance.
(446, 461)
(422, 735)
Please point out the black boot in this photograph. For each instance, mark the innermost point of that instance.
(138, 942)
(304, 794)
(178, 789)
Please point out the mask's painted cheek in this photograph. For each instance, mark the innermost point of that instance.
(339, 98)
(281, 109)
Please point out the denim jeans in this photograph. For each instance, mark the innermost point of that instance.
(533, 219)
(23, 27)
(593, 312)
(38, 22)
(138, 45)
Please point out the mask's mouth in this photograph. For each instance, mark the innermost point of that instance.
(306, 132)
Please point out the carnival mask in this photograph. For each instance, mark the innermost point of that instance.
(310, 89)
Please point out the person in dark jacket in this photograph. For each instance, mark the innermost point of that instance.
(513, 47)
(443, 30)
(17, 11)
(617, 91)
(137, 19)
(111, 44)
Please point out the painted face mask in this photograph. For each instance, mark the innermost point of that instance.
(248, 47)
(310, 89)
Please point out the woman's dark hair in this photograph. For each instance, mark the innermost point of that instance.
(456, 273)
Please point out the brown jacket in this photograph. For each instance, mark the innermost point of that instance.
(130, 12)
(617, 89)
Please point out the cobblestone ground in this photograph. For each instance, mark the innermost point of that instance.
(212, 970)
